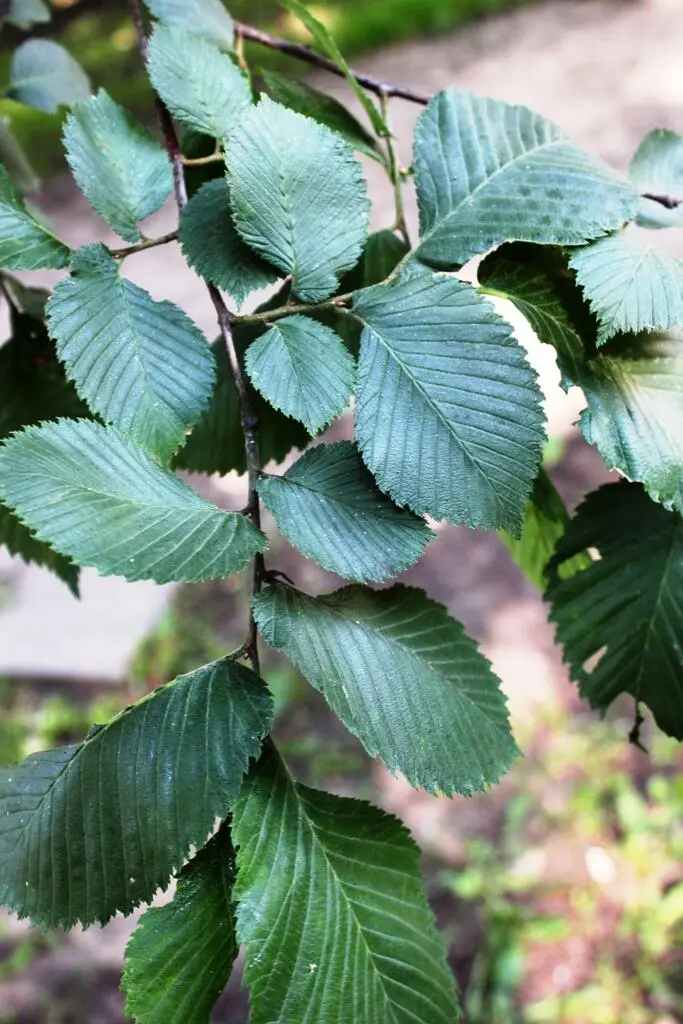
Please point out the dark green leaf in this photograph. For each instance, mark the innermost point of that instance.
(627, 607)
(19, 540)
(657, 170)
(302, 368)
(91, 829)
(101, 500)
(486, 172)
(24, 13)
(299, 197)
(402, 676)
(448, 414)
(142, 365)
(14, 159)
(331, 906)
(45, 76)
(181, 955)
(24, 243)
(124, 173)
(206, 18)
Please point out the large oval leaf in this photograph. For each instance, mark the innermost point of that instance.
(206, 18)
(657, 171)
(44, 75)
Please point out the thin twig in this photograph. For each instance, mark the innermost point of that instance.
(309, 56)
(201, 161)
(668, 201)
(394, 172)
(146, 243)
(339, 302)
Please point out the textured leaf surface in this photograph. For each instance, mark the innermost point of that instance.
(302, 368)
(24, 243)
(91, 829)
(213, 247)
(18, 540)
(24, 13)
(141, 365)
(329, 507)
(123, 172)
(200, 85)
(101, 500)
(627, 606)
(630, 287)
(206, 18)
(181, 955)
(448, 415)
(657, 170)
(486, 172)
(402, 676)
(333, 911)
(44, 75)
(299, 197)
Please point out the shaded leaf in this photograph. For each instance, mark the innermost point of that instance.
(626, 606)
(486, 172)
(91, 829)
(44, 75)
(24, 243)
(657, 170)
(448, 415)
(299, 197)
(329, 507)
(101, 500)
(206, 18)
(332, 908)
(24, 13)
(14, 159)
(142, 365)
(402, 676)
(123, 172)
(19, 540)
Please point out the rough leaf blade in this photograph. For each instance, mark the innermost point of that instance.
(302, 368)
(627, 605)
(329, 507)
(99, 499)
(91, 829)
(142, 365)
(448, 415)
(19, 540)
(44, 75)
(181, 955)
(332, 908)
(24, 243)
(123, 172)
(205, 18)
(487, 172)
(402, 676)
(299, 197)
(657, 170)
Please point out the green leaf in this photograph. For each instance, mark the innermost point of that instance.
(205, 18)
(331, 906)
(486, 172)
(216, 445)
(630, 287)
(213, 248)
(633, 387)
(45, 76)
(24, 243)
(25, 13)
(104, 502)
(657, 170)
(123, 172)
(142, 365)
(181, 955)
(322, 108)
(200, 85)
(299, 197)
(448, 415)
(402, 676)
(545, 521)
(14, 159)
(329, 507)
(91, 829)
(627, 606)
(19, 540)
(302, 368)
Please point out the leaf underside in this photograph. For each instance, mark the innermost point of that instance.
(205, 18)
(657, 170)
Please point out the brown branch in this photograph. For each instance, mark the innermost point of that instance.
(309, 56)
(146, 243)
(667, 201)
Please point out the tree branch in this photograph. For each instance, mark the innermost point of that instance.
(667, 201)
(146, 243)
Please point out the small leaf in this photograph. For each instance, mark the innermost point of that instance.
(333, 911)
(200, 85)
(448, 415)
(486, 172)
(205, 18)
(43, 75)
(657, 170)
(142, 365)
(91, 829)
(181, 955)
(123, 172)
(299, 197)
(104, 502)
(402, 676)
(630, 287)
(328, 506)
(626, 606)
(25, 13)
(214, 249)
(19, 540)
(302, 368)
(24, 243)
